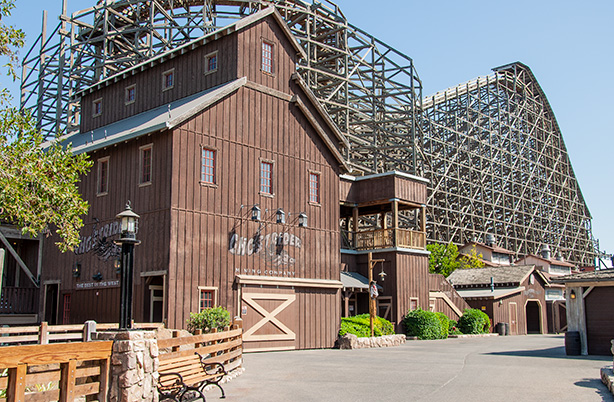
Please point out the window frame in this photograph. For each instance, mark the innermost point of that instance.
(100, 191)
(127, 100)
(208, 57)
(213, 150)
(207, 289)
(165, 74)
(95, 103)
(271, 179)
(414, 299)
(142, 151)
(318, 194)
(271, 59)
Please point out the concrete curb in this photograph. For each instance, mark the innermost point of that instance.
(415, 338)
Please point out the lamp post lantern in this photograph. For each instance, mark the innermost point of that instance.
(129, 226)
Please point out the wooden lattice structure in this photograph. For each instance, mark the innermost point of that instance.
(497, 163)
(491, 148)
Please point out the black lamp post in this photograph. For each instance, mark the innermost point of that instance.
(129, 226)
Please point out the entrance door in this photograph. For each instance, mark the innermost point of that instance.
(533, 317)
(513, 318)
(156, 303)
(599, 320)
(52, 298)
(270, 319)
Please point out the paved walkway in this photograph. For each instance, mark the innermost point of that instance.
(512, 368)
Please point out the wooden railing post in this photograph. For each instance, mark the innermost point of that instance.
(43, 333)
(175, 335)
(16, 387)
(67, 381)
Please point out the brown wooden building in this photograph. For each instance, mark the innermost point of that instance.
(514, 295)
(199, 140)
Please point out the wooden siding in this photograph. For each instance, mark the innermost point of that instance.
(438, 283)
(151, 202)
(204, 215)
(383, 188)
(599, 320)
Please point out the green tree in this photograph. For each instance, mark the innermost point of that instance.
(38, 187)
(472, 260)
(443, 258)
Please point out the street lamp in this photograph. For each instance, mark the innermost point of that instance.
(129, 226)
(302, 220)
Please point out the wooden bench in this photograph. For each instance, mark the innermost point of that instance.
(184, 373)
(184, 379)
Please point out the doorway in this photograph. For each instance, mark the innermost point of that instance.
(533, 314)
(52, 299)
(154, 299)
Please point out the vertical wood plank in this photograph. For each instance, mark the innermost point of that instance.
(16, 388)
(105, 367)
(67, 381)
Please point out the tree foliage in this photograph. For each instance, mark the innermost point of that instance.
(443, 258)
(38, 187)
(472, 260)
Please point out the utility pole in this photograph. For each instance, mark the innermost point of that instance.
(372, 293)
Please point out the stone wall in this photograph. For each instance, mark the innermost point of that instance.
(350, 341)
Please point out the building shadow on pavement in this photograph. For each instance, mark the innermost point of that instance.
(552, 353)
(598, 386)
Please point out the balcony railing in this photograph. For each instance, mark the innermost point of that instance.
(383, 238)
(18, 300)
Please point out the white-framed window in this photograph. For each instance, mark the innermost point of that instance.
(97, 107)
(267, 57)
(145, 164)
(413, 303)
(168, 79)
(130, 95)
(314, 187)
(266, 177)
(207, 166)
(211, 62)
(207, 297)
(102, 183)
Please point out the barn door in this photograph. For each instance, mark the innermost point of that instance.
(384, 305)
(269, 319)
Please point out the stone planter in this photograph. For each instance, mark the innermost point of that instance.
(349, 341)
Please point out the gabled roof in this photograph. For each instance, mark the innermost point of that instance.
(189, 46)
(552, 261)
(500, 275)
(495, 248)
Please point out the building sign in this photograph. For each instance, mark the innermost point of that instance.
(100, 242)
(97, 285)
(272, 248)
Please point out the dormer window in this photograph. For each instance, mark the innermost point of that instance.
(211, 62)
(168, 79)
(97, 107)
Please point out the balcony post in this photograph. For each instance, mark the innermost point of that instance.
(355, 227)
(395, 222)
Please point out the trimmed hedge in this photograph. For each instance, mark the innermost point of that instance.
(209, 318)
(360, 326)
(474, 321)
(425, 325)
(445, 324)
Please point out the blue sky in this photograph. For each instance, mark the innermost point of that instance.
(567, 44)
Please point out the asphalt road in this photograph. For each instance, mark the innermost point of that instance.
(512, 368)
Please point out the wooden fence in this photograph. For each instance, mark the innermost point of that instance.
(43, 334)
(59, 372)
(225, 347)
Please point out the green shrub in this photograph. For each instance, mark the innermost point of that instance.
(453, 328)
(423, 324)
(474, 321)
(445, 324)
(209, 318)
(360, 326)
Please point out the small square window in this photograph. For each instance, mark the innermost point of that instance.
(207, 172)
(267, 57)
(103, 176)
(146, 165)
(266, 177)
(314, 188)
(211, 63)
(130, 94)
(168, 79)
(206, 298)
(97, 107)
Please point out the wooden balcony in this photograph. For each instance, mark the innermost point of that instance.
(382, 239)
(19, 300)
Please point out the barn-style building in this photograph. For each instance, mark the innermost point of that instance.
(237, 174)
